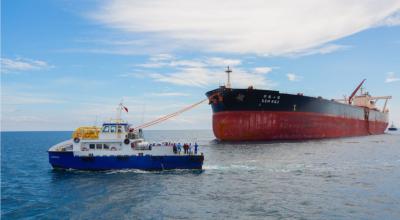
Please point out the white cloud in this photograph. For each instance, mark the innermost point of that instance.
(171, 61)
(78, 82)
(293, 77)
(163, 94)
(203, 77)
(28, 99)
(198, 77)
(20, 64)
(391, 77)
(392, 20)
(186, 63)
(27, 118)
(207, 71)
(324, 49)
(152, 64)
(265, 27)
(139, 75)
(218, 61)
(262, 70)
(30, 110)
(162, 57)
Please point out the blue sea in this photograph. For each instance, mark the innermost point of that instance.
(348, 178)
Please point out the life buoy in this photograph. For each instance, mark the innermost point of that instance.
(126, 141)
(76, 140)
(113, 148)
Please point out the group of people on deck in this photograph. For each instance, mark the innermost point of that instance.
(187, 148)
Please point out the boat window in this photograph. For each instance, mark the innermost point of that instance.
(106, 129)
(119, 129)
(106, 146)
(112, 128)
(91, 146)
(98, 146)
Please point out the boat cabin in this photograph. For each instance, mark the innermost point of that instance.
(113, 130)
(364, 100)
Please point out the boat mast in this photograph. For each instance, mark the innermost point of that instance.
(119, 110)
(228, 71)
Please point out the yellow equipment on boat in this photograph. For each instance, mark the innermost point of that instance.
(86, 133)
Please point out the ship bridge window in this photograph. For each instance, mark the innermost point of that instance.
(106, 129)
(106, 146)
(119, 129)
(99, 146)
(112, 129)
(91, 146)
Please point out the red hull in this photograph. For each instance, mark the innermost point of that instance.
(267, 125)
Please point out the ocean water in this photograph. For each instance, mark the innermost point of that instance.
(349, 178)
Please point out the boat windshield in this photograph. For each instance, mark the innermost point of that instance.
(114, 128)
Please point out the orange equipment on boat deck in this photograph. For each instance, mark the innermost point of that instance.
(86, 133)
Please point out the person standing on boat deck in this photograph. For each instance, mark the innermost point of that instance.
(190, 149)
(174, 149)
(179, 148)
(186, 148)
(195, 147)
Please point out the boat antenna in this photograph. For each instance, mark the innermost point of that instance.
(228, 71)
(96, 121)
(119, 111)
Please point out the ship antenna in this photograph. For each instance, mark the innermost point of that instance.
(119, 110)
(96, 121)
(228, 71)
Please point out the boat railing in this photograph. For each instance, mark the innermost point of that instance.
(62, 146)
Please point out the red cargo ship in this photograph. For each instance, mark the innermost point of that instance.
(260, 115)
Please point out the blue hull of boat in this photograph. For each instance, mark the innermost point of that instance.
(66, 160)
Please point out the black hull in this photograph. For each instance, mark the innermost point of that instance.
(224, 99)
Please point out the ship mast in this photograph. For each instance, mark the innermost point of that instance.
(119, 110)
(228, 72)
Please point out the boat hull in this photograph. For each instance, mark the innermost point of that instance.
(257, 126)
(67, 160)
(263, 115)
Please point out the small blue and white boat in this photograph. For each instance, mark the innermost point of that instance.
(116, 145)
(392, 127)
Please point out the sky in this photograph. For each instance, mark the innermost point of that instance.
(66, 64)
